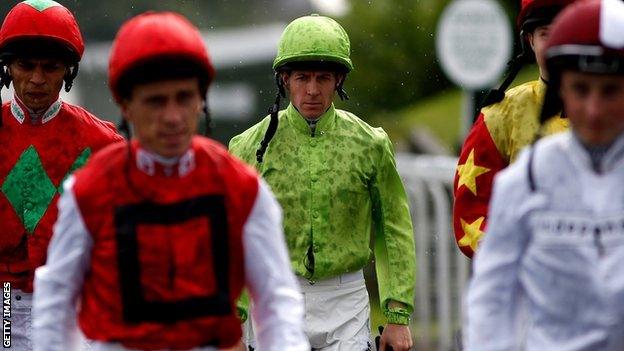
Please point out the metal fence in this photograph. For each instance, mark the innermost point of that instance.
(442, 270)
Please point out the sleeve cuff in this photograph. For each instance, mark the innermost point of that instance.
(398, 316)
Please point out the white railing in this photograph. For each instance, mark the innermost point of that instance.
(442, 270)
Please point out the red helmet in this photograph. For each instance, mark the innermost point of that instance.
(535, 13)
(42, 19)
(154, 35)
(585, 37)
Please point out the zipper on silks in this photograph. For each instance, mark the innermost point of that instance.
(312, 128)
(598, 242)
(308, 260)
(309, 263)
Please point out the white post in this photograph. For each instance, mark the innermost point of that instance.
(467, 113)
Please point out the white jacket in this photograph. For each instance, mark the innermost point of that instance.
(549, 274)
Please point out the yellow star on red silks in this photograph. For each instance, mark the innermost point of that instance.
(468, 173)
(472, 233)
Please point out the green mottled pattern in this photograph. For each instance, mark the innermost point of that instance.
(80, 161)
(314, 38)
(41, 5)
(334, 188)
(29, 189)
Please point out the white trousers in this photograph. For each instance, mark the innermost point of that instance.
(108, 346)
(21, 321)
(337, 314)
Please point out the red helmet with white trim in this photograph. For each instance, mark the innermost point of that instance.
(586, 37)
(42, 19)
(154, 36)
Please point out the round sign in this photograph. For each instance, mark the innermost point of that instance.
(473, 42)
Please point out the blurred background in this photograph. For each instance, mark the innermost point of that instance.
(397, 84)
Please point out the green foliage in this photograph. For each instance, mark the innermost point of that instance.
(392, 41)
(440, 113)
(393, 52)
(100, 20)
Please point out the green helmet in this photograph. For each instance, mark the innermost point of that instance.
(314, 38)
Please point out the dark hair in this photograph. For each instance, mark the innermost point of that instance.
(38, 48)
(540, 17)
(162, 69)
(321, 65)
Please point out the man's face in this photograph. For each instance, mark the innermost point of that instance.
(37, 82)
(538, 39)
(311, 92)
(164, 115)
(595, 106)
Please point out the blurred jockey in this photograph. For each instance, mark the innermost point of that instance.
(548, 274)
(507, 123)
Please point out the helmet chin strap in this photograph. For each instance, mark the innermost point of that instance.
(273, 123)
(5, 81)
(340, 90)
(72, 73)
(207, 119)
(281, 88)
(124, 128)
(497, 95)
